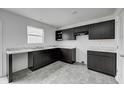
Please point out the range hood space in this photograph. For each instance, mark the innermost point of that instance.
(81, 33)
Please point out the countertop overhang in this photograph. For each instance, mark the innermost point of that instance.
(24, 50)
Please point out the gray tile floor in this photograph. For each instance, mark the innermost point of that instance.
(62, 73)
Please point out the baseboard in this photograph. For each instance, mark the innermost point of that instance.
(81, 62)
(3, 80)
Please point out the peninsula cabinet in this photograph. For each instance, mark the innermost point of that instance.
(104, 62)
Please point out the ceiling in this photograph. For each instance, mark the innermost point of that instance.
(60, 17)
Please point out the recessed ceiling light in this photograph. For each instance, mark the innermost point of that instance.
(74, 12)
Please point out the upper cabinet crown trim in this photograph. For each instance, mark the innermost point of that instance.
(100, 30)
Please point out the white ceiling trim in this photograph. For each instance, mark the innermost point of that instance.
(113, 16)
(118, 11)
(61, 17)
(89, 22)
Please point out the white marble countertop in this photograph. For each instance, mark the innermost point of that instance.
(103, 49)
(30, 49)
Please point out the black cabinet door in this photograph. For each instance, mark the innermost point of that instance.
(102, 61)
(38, 59)
(58, 35)
(43, 58)
(81, 29)
(30, 60)
(57, 54)
(68, 34)
(53, 54)
(102, 30)
(68, 55)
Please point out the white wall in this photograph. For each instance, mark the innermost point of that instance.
(1, 47)
(120, 74)
(15, 35)
(83, 43)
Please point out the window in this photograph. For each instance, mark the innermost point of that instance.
(35, 35)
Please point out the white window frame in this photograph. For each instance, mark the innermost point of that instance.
(34, 34)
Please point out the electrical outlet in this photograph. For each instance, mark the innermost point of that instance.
(82, 62)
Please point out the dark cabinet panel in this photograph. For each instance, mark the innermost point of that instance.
(53, 53)
(102, 61)
(58, 35)
(38, 59)
(81, 29)
(102, 30)
(57, 53)
(41, 58)
(68, 55)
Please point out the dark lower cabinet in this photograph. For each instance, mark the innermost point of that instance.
(104, 62)
(68, 55)
(38, 59)
(42, 58)
(58, 35)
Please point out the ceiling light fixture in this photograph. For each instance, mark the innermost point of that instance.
(74, 12)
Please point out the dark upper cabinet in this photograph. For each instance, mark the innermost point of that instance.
(68, 34)
(102, 30)
(81, 29)
(58, 35)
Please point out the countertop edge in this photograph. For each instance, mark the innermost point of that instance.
(31, 50)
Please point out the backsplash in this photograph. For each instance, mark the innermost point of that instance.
(103, 48)
(83, 44)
